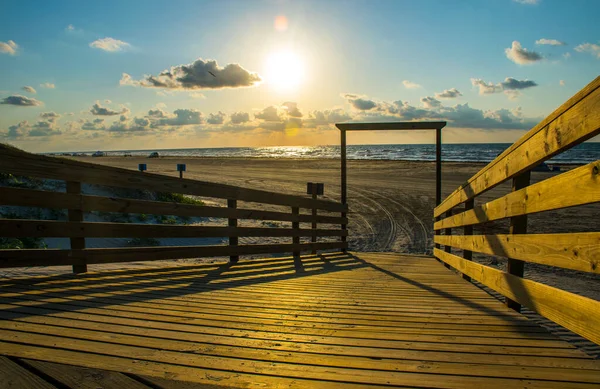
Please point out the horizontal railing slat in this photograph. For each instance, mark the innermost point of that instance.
(22, 258)
(88, 203)
(576, 251)
(18, 228)
(576, 187)
(18, 162)
(577, 313)
(574, 122)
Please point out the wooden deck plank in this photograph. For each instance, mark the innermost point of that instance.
(13, 376)
(85, 378)
(345, 321)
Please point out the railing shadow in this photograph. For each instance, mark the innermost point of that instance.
(141, 285)
(498, 313)
(498, 247)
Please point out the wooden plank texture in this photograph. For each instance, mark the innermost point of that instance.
(576, 251)
(575, 187)
(27, 258)
(574, 122)
(577, 313)
(390, 126)
(85, 378)
(14, 376)
(18, 162)
(44, 228)
(47, 199)
(341, 321)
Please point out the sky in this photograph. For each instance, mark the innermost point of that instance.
(119, 75)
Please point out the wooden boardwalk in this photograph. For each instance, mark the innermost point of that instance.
(342, 320)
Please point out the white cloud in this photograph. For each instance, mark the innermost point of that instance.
(448, 94)
(20, 101)
(410, 85)
(430, 102)
(29, 89)
(520, 55)
(567, 55)
(550, 42)
(48, 85)
(510, 86)
(200, 74)
(9, 47)
(110, 44)
(70, 27)
(216, 118)
(269, 114)
(359, 102)
(239, 117)
(99, 110)
(591, 48)
(528, 2)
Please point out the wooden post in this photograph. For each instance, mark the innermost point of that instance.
(76, 215)
(438, 166)
(313, 238)
(448, 231)
(518, 225)
(468, 230)
(344, 181)
(296, 226)
(232, 222)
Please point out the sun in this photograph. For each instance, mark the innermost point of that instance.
(284, 71)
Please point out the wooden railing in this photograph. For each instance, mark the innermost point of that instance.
(574, 122)
(74, 173)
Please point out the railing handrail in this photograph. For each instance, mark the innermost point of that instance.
(18, 162)
(574, 122)
(551, 136)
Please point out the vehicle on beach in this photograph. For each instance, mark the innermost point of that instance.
(99, 154)
(154, 154)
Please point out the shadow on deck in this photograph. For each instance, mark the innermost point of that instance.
(335, 320)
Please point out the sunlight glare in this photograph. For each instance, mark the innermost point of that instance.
(284, 70)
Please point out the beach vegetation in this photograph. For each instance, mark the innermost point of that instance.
(177, 198)
(22, 243)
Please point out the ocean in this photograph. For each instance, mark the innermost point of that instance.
(473, 152)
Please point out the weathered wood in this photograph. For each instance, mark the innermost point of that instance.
(518, 225)
(75, 215)
(577, 313)
(344, 182)
(12, 375)
(574, 122)
(47, 199)
(295, 228)
(18, 162)
(390, 126)
(16, 228)
(438, 167)
(260, 323)
(448, 232)
(29, 258)
(313, 238)
(467, 231)
(576, 187)
(81, 377)
(576, 251)
(232, 222)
